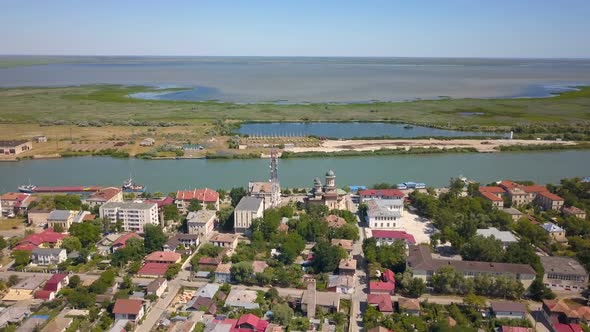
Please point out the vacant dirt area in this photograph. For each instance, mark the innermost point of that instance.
(372, 145)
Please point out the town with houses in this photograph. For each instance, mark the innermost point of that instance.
(509, 256)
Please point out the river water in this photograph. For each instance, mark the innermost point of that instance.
(349, 130)
(171, 175)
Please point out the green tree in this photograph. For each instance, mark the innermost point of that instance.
(539, 292)
(154, 238)
(326, 257)
(133, 251)
(194, 205)
(172, 271)
(291, 248)
(236, 195)
(171, 212)
(87, 232)
(81, 298)
(71, 243)
(22, 258)
(416, 288)
(222, 194)
(282, 314)
(74, 281)
(13, 280)
(58, 228)
(485, 249)
(372, 318)
(242, 271)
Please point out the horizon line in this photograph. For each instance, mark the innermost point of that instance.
(299, 56)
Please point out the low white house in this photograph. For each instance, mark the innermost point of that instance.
(506, 237)
(508, 309)
(157, 287)
(48, 256)
(384, 214)
(131, 310)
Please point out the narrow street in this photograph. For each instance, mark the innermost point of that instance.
(359, 297)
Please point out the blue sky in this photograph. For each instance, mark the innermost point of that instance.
(424, 28)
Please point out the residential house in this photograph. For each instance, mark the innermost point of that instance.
(38, 217)
(183, 241)
(208, 291)
(409, 306)
(565, 311)
(45, 295)
(564, 274)
(201, 222)
(241, 298)
(133, 215)
(147, 142)
(58, 324)
(259, 266)
(508, 309)
(223, 273)
(200, 303)
(14, 315)
(335, 221)
(48, 256)
(556, 233)
(343, 284)
(61, 218)
(105, 195)
(229, 241)
(383, 194)
(164, 257)
(121, 241)
(153, 270)
(506, 237)
(347, 266)
(344, 244)
(384, 214)
(382, 302)
(388, 237)
(264, 191)
(514, 213)
(46, 239)
(328, 301)
(204, 196)
(40, 139)
(57, 282)
(574, 211)
(131, 310)
(24, 289)
(549, 201)
(381, 287)
(15, 147)
(157, 287)
(251, 322)
(248, 209)
(424, 266)
(209, 263)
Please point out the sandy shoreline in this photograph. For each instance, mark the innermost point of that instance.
(372, 145)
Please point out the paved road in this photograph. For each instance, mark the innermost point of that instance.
(156, 311)
(359, 296)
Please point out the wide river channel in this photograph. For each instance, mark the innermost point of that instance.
(171, 175)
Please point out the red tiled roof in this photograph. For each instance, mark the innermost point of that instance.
(10, 196)
(153, 269)
(389, 276)
(335, 221)
(161, 202)
(381, 286)
(105, 194)
(209, 261)
(126, 306)
(492, 189)
(203, 195)
(491, 196)
(534, 189)
(122, 240)
(396, 235)
(47, 236)
(550, 196)
(253, 321)
(43, 294)
(508, 184)
(163, 256)
(383, 301)
(53, 282)
(382, 192)
(25, 247)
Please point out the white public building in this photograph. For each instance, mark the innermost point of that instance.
(384, 213)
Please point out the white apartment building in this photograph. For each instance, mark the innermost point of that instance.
(384, 213)
(133, 215)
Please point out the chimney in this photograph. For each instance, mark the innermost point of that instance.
(311, 298)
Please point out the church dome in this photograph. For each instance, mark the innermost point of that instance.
(330, 173)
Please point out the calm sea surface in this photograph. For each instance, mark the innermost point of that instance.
(300, 80)
(170, 175)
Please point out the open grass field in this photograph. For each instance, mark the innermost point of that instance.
(110, 103)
